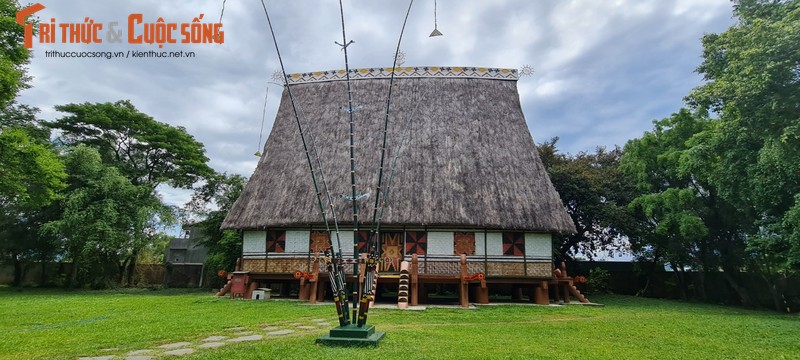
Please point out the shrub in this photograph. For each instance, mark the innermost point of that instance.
(599, 281)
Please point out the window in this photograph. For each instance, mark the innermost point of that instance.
(416, 243)
(276, 241)
(363, 240)
(513, 244)
(178, 256)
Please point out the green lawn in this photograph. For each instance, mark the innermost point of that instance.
(58, 324)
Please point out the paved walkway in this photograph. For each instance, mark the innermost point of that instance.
(228, 337)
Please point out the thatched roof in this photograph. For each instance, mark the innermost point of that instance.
(469, 160)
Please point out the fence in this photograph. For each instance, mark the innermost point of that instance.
(628, 278)
(55, 274)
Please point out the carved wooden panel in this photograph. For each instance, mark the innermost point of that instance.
(464, 243)
(363, 241)
(319, 242)
(391, 253)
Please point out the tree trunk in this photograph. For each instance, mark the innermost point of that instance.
(73, 273)
(44, 259)
(701, 288)
(775, 292)
(680, 276)
(744, 296)
(649, 276)
(121, 271)
(777, 298)
(43, 279)
(131, 269)
(17, 269)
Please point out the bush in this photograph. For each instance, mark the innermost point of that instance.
(599, 281)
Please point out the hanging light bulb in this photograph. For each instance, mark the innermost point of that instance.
(435, 31)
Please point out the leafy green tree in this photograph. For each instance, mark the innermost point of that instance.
(33, 177)
(13, 55)
(753, 84)
(147, 152)
(212, 202)
(101, 214)
(595, 193)
(23, 117)
(153, 252)
(685, 221)
(32, 173)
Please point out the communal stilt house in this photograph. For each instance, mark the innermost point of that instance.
(470, 203)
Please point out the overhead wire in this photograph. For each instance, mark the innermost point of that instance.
(223, 11)
(263, 117)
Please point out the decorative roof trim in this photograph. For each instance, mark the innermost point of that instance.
(405, 72)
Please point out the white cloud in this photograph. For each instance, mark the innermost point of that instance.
(173, 196)
(604, 69)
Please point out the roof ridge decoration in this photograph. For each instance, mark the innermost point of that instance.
(406, 72)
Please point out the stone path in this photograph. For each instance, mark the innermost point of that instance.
(228, 337)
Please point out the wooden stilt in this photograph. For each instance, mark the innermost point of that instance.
(542, 294)
(564, 286)
(463, 290)
(284, 290)
(252, 286)
(303, 294)
(314, 286)
(481, 294)
(516, 293)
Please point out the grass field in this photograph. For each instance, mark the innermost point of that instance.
(47, 324)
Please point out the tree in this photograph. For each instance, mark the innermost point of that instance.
(23, 117)
(145, 151)
(101, 214)
(213, 201)
(595, 194)
(685, 221)
(32, 173)
(32, 178)
(753, 84)
(13, 55)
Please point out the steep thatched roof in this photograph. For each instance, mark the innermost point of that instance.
(468, 161)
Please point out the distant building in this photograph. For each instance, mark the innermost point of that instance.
(184, 259)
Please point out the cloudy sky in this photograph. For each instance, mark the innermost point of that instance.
(604, 69)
